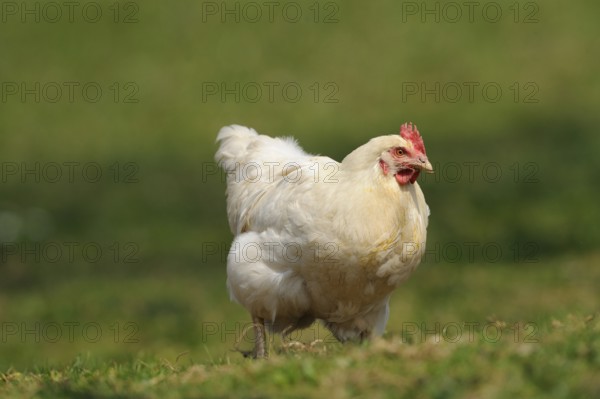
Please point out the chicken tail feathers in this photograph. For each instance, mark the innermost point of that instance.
(253, 164)
(234, 141)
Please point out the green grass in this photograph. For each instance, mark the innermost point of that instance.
(456, 330)
(560, 360)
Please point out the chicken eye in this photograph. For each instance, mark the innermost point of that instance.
(398, 151)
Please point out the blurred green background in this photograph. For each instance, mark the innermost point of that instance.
(157, 213)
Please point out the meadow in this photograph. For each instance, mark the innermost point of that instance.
(113, 231)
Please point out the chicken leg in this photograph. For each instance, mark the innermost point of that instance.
(260, 351)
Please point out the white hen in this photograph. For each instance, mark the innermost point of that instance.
(318, 239)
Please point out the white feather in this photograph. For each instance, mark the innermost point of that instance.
(315, 238)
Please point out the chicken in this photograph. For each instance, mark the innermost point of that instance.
(318, 239)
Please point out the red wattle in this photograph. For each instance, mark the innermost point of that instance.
(384, 167)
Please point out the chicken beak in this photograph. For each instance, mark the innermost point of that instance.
(424, 164)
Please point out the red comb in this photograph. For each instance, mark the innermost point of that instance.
(409, 132)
